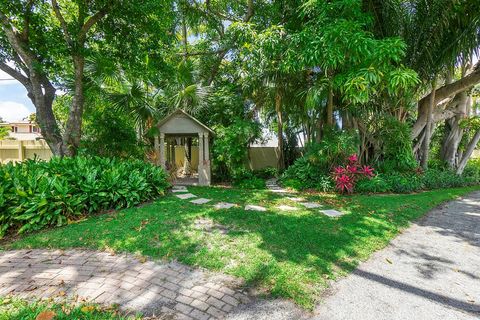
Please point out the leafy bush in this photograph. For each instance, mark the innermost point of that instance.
(266, 173)
(434, 179)
(323, 183)
(230, 148)
(404, 182)
(397, 147)
(416, 181)
(472, 170)
(4, 131)
(35, 194)
(251, 183)
(376, 184)
(302, 172)
(311, 169)
(110, 134)
(245, 179)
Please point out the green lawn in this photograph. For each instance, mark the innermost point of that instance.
(13, 309)
(287, 254)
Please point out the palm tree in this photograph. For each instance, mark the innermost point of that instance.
(185, 92)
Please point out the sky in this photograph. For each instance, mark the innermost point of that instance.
(14, 103)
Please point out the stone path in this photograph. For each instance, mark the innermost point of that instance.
(272, 184)
(251, 207)
(185, 196)
(153, 288)
(200, 201)
(431, 271)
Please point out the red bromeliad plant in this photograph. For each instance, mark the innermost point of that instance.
(346, 176)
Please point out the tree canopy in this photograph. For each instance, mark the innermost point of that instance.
(397, 73)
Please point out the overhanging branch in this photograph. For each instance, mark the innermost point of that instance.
(15, 74)
(61, 19)
(92, 21)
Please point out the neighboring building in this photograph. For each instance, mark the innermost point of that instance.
(23, 130)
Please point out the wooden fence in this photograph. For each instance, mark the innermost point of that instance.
(18, 150)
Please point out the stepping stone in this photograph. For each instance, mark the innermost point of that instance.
(287, 208)
(310, 205)
(200, 201)
(224, 205)
(295, 199)
(332, 213)
(186, 196)
(271, 182)
(179, 190)
(279, 190)
(252, 207)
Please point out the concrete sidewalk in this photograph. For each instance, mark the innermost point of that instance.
(431, 271)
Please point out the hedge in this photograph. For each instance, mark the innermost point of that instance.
(35, 194)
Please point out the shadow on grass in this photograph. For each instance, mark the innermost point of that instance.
(289, 254)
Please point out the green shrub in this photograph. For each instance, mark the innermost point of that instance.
(397, 147)
(293, 183)
(404, 182)
(325, 184)
(230, 148)
(376, 184)
(266, 173)
(302, 171)
(4, 131)
(314, 168)
(35, 194)
(245, 179)
(472, 170)
(434, 179)
(250, 183)
(413, 181)
(110, 134)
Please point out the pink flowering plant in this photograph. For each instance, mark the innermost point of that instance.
(346, 176)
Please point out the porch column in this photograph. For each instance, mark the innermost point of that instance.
(206, 162)
(162, 150)
(156, 147)
(201, 157)
(172, 151)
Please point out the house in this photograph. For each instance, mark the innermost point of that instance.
(23, 130)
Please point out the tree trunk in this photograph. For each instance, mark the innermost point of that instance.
(330, 108)
(278, 110)
(73, 128)
(442, 93)
(42, 95)
(454, 133)
(468, 152)
(318, 130)
(428, 128)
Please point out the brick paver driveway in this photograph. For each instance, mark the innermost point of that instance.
(150, 287)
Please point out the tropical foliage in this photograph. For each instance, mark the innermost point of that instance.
(4, 132)
(37, 194)
(400, 76)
